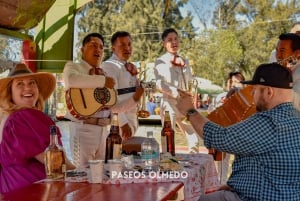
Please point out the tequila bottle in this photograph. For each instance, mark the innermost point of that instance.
(55, 158)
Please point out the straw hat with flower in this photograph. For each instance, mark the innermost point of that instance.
(45, 81)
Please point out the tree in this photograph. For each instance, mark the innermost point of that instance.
(224, 14)
(219, 52)
(264, 22)
(10, 50)
(143, 19)
(97, 16)
(245, 33)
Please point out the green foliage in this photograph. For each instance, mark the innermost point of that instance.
(142, 19)
(218, 53)
(244, 33)
(10, 50)
(250, 30)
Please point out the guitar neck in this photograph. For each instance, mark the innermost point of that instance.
(126, 90)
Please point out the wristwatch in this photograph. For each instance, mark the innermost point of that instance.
(191, 112)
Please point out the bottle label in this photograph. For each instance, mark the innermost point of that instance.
(117, 151)
(63, 168)
(163, 144)
(55, 164)
(149, 154)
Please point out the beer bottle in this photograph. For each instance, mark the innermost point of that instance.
(113, 141)
(167, 136)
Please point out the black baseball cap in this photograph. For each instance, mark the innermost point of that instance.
(273, 75)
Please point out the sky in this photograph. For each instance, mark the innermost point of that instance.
(203, 8)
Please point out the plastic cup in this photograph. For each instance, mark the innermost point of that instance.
(115, 168)
(96, 170)
(128, 161)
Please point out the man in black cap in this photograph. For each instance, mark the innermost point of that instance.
(266, 145)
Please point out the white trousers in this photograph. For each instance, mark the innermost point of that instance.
(87, 142)
(132, 122)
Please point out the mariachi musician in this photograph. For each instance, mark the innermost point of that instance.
(173, 72)
(88, 134)
(125, 74)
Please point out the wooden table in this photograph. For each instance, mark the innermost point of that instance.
(71, 191)
(202, 176)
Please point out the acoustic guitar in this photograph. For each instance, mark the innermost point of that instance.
(86, 102)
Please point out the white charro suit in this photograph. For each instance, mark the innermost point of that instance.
(168, 79)
(115, 68)
(87, 141)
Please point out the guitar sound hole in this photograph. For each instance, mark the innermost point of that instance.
(102, 95)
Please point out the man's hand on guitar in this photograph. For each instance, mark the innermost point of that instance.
(109, 82)
(126, 132)
(138, 93)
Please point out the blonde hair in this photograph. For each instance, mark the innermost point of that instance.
(7, 106)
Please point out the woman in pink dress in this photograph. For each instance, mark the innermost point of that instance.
(24, 128)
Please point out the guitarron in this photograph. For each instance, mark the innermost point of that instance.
(236, 108)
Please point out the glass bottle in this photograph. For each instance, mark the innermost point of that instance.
(167, 136)
(55, 157)
(150, 153)
(113, 141)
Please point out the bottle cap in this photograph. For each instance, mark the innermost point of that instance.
(53, 130)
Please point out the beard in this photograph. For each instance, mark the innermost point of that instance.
(261, 105)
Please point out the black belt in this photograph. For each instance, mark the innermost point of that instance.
(126, 90)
